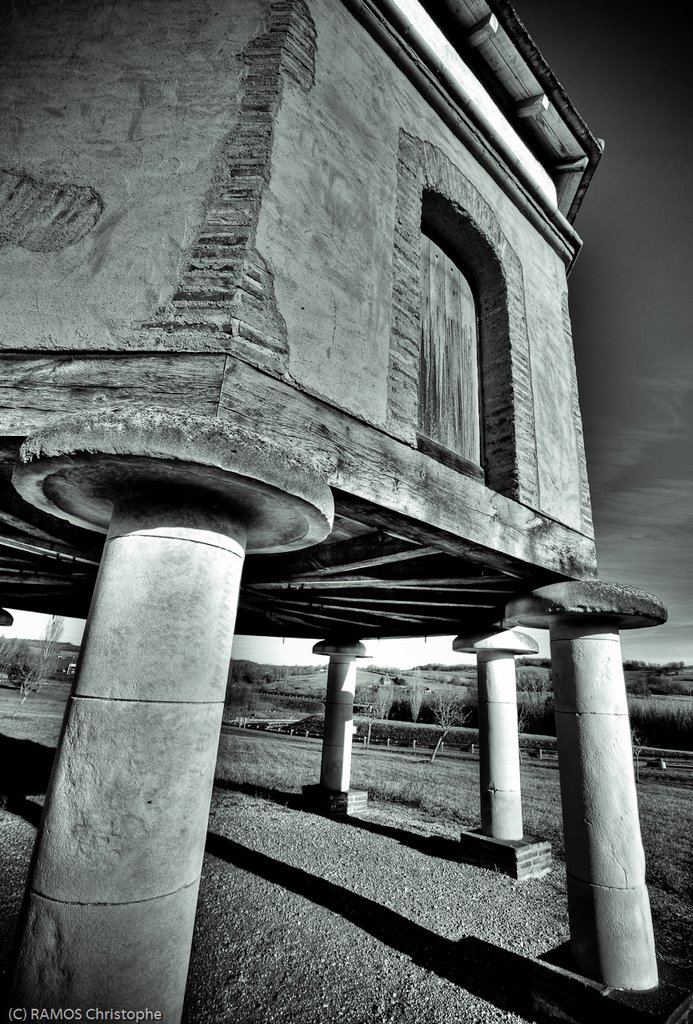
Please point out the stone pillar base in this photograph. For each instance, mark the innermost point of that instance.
(559, 992)
(332, 804)
(528, 857)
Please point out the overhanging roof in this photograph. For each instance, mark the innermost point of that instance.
(492, 42)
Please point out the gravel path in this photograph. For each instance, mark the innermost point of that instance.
(303, 920)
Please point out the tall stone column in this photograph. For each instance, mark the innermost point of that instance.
(110, 904)
(333, 795)
(499, 760)
(611, 936)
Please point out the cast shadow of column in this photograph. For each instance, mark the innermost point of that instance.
(471, 963)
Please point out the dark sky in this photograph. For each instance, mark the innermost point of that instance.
(628, 72)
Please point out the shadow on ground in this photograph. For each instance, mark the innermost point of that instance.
(471, 963)
(432, 846)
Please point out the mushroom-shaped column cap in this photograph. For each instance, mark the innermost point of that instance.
(619, 606)
(78, 467)
(510, 641)
(5, 618)
(347, 648)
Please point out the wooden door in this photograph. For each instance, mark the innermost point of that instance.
(449, 392)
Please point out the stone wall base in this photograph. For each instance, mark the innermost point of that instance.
(528, 857)
(335, 805)
(560, 994)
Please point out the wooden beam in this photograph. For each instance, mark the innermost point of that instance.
(310, 615)
(363, 552)
(42, 579)
(389, 602)
(385, 613)
(37, 388)
(483, 30)
(532, 106)
(61, 552)
(407, 488)
(23, 527)
(377, 583)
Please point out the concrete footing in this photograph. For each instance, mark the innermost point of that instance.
(528, 857)
(335, 805)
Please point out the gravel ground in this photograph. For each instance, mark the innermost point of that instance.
(304, 920)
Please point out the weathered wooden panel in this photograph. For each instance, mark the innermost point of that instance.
(449, 360)
(374, 467)
(34, 390)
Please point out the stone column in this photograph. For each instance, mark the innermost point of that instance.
(611, 935)
(499, 749)
(499, 759)
(110, 905)
(333, 796)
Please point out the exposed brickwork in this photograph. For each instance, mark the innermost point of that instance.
(45, 216)
(335, 805)
(429, 184)
(584, 487)
(524, 858)
(227, 290)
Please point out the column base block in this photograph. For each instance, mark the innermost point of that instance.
(333, 804)
(528, 857)
(558, 993)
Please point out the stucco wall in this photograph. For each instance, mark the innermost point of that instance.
(129, 100)
(225, 177)
(334, 167)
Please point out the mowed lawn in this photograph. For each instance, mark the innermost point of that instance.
(447, 794)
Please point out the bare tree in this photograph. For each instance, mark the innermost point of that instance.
(377, 703)
(448, 710)
(43, 665)
(638, 744)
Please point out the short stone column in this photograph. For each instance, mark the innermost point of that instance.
(509, 849)
(110, 905)
(611, 937)
(333, 795)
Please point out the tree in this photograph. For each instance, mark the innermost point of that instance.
(43, 664)
(533, 699)
(377, 703)
(448, 710)
(16, 659)
(638, 744)
(415, 693)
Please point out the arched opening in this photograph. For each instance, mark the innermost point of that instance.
(449, 413)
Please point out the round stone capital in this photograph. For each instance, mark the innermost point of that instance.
(345, 649)
(510, 641)
(79, 467)
(614, 605)
(5, 618)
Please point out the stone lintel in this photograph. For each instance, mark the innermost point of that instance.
(345, 648)
(528, 857)
(78, 467)
(509, 641)
(333, 804)
(560, 993)
(619, 606)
